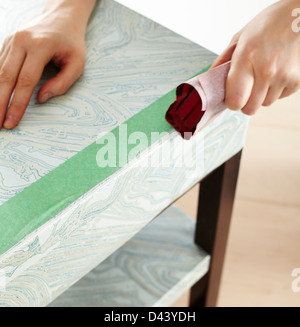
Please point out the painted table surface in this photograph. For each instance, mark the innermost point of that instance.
(131, 62)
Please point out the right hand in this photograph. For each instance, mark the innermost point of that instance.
(265, 60)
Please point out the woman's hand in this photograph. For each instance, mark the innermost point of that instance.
(57, 35)
(265, 59)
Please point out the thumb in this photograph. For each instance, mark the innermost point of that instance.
(224, 56)
(61, 83)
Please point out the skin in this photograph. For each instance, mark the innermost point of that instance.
(57, 35)
(265, 58)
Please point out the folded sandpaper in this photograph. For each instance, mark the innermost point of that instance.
(198, 101)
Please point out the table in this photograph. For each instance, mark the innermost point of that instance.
(61, 215)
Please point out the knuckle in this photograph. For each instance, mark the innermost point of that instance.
(6, 77)
(284, 79)
(234, 102)
(249, 51)
(234, 95)
(20, 37)
(25, 81)
(268, 71)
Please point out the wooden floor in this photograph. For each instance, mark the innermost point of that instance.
(264, 241)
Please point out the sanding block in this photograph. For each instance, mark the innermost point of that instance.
(198, 101)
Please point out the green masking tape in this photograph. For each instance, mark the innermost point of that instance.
(52, 193)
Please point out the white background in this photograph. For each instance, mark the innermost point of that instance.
(210, 23)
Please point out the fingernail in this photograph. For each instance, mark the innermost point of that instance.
(8, 124)
(46, 97)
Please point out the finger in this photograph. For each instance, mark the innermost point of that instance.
(239, 82)
(273, 94)
(224, 56)
(60, 84)
(29, 77)
(9, 72)
(287, 91)
(257, 97)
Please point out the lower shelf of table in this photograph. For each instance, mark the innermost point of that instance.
(154, 268)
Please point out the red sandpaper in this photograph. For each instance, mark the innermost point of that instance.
(198, 101)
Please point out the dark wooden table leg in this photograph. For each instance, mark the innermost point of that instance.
(216, 197)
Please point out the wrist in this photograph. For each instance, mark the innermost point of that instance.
(75, 13)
